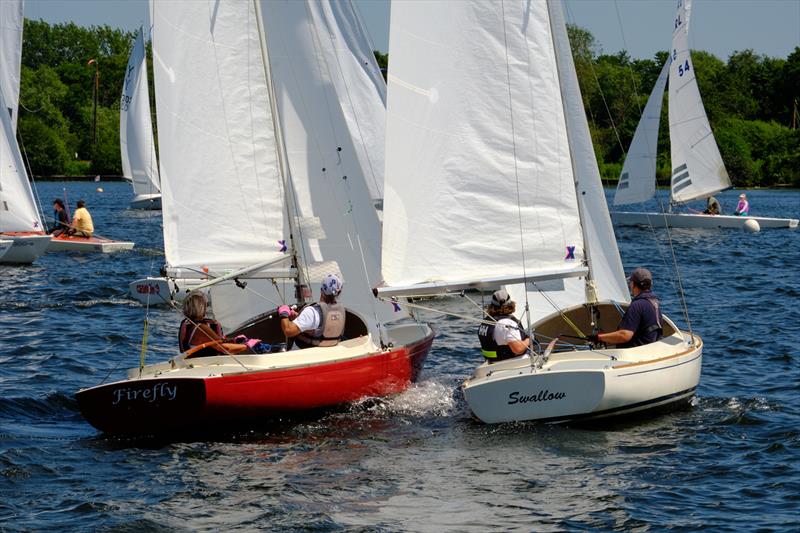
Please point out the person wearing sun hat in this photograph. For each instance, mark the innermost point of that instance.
(743, 207)
(502, 336)
(319, 324)
(642, 322)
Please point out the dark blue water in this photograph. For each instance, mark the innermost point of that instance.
(416, 462)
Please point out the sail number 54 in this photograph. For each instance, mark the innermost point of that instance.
(682, 69)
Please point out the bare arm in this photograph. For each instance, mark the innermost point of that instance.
(289, 328)
(519, 347)
(615, 337)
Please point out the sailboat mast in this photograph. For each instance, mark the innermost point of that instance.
(280, 148)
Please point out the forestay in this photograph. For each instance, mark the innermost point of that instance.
(479, 180)
(135, 127)
(697, 167)
(358, 81)
(338, 227)
(222, 192)
(18, 212)
(637, 183)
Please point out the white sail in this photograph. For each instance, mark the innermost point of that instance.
(359, 83)
(338, 227)
(18, 212)
(11, 24)
(637, 182)
(697, 167)
(479, 174)
(222, 191)
(135, 127)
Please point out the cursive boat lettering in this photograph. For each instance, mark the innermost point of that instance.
(543, 396)
(148, 394)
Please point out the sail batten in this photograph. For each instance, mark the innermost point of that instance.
(692, 142)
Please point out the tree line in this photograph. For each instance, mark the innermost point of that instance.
(751, 102)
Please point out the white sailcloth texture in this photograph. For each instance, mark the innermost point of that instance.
(11, 24)
(697, 167)
(135, 127)
(222, 194)
(18, 210)
(637, 183)
(328, 182)
(479, 176)
(359, 83)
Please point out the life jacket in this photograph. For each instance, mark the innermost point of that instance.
(330, 330)
(489, 348)
(189, 328)
(639, 335)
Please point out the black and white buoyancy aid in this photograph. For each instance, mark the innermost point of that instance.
(489, 347)
(331, 327)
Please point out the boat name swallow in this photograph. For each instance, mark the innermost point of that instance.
(543, 396)
(150, 394)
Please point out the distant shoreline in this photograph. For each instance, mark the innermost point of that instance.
(78, 178)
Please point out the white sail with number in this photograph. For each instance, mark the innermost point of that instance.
(135, 127)
(697, 167)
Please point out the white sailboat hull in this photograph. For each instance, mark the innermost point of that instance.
(88, 245)
(146, 201)
(5, 245)
(683, 220)
(582, 385)
(156, 291)
(25, 248)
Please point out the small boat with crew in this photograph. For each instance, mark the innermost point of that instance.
(502, 165)
(698, 170)
(93, 244)
(251, 127)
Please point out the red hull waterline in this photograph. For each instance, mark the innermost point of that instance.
(156, 405)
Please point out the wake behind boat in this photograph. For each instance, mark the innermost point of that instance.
(698, 170)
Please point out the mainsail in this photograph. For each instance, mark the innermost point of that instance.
(480, 182)
(697, 167)
(222, 190)
(637, 182)
(135, 127)
(18, 212)
(338, 228)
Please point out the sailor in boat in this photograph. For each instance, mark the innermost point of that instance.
(642, 323)
(320, 324)
(61, 223)
(82, 225)
(713, 207)
(743, 207)
(197, 329)
(505, 337)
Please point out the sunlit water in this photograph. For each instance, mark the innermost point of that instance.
(415, 462)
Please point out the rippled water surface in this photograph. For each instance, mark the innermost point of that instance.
(415, 462)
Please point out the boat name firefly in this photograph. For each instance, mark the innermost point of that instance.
(543, 396)
(149, 394)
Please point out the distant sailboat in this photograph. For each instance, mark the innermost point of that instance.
(20, 221)
(698, 170)
(137, 147)
(260, 178)
(491, 180)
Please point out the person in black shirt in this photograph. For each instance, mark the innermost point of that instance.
(61, 223)
(642, 323)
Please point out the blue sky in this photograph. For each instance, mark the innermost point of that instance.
(642, 27)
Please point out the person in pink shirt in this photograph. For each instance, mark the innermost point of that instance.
(743, 207)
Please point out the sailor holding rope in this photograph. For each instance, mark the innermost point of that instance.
(506, 338)
(642, 323)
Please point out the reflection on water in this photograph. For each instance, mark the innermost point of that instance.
(417, 461)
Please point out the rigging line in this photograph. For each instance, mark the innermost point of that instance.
(561, 313)
(630, 67)
(514, 151)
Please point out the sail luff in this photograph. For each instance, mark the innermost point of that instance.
(637, 182)
(137, 146)
(697, 167)
(11, 26)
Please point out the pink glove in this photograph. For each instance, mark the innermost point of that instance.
(284, 311)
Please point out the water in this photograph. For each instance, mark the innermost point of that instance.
(416, 462)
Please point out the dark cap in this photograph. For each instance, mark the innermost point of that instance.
(639, 275)
(500, 298)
